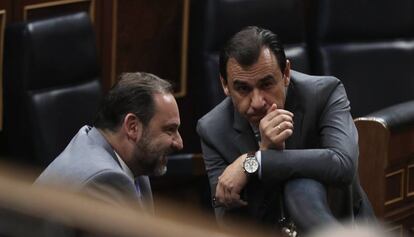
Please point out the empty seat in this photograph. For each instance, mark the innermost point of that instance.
(51, 85)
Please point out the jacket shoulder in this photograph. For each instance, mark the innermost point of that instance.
(82, 159)
(311, 82)
(218, 119)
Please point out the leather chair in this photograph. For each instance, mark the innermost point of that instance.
(213, 22)
(373, 55)
(51, 85)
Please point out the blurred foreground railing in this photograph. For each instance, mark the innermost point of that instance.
(27, 210)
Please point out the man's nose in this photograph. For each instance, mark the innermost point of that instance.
(178, 142)
(258, 100)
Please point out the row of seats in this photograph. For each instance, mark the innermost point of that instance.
(369, 45)
(51, 86)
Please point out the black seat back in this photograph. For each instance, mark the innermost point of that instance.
(51, 85)
(372, 53)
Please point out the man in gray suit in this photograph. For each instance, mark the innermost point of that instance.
(276, 127)
(135, 128)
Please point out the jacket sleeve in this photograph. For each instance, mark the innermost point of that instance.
(213, 161)
(334, 162)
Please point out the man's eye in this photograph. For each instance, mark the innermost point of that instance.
(170, 131)
(242, 88)
(267, 85)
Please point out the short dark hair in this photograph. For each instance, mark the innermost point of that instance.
(133, 93)
(246, 46)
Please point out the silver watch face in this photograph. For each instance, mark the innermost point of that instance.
(251, 165)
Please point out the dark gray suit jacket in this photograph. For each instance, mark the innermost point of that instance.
(323, 147)
(89, 164)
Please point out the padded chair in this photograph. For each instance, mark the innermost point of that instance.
(370, 47)
(51, 85)
(213, 22)
(373, 55)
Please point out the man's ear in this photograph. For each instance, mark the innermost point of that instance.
(286, 74)
(133, 127)
(225, 86)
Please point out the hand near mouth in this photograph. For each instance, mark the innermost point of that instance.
(275, 128)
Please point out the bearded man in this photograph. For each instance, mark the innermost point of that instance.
(135, 128)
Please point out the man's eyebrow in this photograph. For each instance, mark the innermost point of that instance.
(268, 77)
(173, 125)
(239, 82)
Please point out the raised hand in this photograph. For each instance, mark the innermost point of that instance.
(275, 128)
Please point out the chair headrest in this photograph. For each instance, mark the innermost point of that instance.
(365, 20)
(226, 17)
(57, 51)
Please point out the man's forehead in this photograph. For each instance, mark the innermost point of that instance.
(266, 57)
(264, 67)
(166, 108)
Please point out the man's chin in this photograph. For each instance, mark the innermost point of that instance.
(161, 168)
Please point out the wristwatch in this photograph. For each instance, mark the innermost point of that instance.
(251, 164)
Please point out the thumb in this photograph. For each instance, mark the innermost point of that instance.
(272, 108)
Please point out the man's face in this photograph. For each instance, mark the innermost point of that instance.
(160, 137)
(255, 88)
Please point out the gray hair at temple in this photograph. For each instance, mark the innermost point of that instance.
(133, 93)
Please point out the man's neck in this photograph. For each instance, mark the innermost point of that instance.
(124, 148)
(115, 140)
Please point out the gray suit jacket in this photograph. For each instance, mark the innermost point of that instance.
(89, 164)
(323, 147)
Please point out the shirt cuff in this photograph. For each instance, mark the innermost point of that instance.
(259, 159)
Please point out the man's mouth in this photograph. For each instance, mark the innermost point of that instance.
(256, 117)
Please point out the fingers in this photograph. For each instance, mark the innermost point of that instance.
(279, 134)
(227, 196)
(276, 113)
(275, 128)
(282, 124)
(230, 183)
(277, 121)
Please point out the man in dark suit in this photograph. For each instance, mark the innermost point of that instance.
(278, 126)
(136, 127)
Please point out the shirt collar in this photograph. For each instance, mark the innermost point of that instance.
(124, 166)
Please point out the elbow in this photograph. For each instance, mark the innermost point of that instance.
(347, 168)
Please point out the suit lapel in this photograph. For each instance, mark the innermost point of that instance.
(292, 105)
(145, 187)
(244, 138)
(100, 140)
(146, 202)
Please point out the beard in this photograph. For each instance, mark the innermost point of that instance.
(151, 157)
